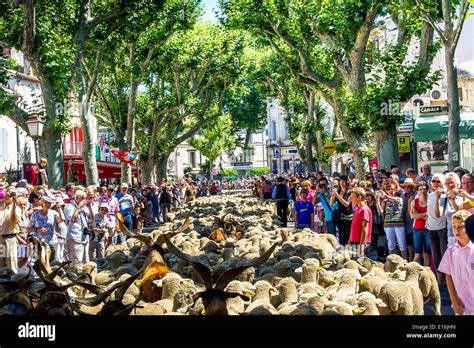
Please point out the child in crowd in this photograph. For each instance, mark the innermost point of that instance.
(137, 220)
(458, 264)
(304, 211)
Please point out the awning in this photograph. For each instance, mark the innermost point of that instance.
(432, 128)
(106, 170)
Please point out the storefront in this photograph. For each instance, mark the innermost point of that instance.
(431, 134)
(108, 171)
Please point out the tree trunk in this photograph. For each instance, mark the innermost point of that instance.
(50, 147)
(88, 145)
(359, 161)
(148, 176)
(309, 160)
(126, 172)
(387, 147)
(131, 121)
(454, 146)
(161, 168)
(248, 136)
(355, 142)
(309, 94)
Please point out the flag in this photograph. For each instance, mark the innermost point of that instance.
(125, 156)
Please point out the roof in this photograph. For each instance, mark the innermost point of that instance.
(466, 69)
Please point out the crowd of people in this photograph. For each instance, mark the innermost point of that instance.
(421, 217)
(79, 222)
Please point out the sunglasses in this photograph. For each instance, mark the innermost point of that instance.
(436, 181)
(103, 209)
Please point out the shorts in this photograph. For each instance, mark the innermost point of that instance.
(421, 241)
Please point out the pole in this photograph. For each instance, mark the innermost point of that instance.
(35, 140)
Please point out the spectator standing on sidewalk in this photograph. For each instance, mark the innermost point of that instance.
(436, 222)
(304, 211)
(458, 264)
(100, 230)
(361, 226)
(281, 194)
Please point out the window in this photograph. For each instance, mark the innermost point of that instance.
(3, 145)
(192, 159)
(274, 130)
(460, 93)
(274, 167)
(286, 165)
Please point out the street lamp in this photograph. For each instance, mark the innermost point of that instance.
(35, 128)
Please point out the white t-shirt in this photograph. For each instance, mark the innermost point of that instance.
(432, 222)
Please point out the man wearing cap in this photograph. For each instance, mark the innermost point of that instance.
(9, 219)
(126, 205)
(100, 230)
(113, 208)
(78, 217)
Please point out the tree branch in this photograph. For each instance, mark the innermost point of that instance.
(427, 17)
(106, 17)
(95, 74)
(360, 47)
(305, 65)
(457, 32)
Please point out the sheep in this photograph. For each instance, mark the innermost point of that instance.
(347, 287)
(287, 291)
(284, 269)
(392, 262)
(367, 303)
(340, 308)
(326, 278)
(373, 267)
(427, 283)
(236, 305)
(401, 298)
(170, 284)
(309, 271)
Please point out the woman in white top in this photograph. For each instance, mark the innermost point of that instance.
(454, 203)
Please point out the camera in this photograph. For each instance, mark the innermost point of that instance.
(86, 232)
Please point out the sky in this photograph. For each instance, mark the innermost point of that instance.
(209, 6)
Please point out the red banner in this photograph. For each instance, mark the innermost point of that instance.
(125, 156)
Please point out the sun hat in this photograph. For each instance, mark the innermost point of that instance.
(49, 199)
(104, 205)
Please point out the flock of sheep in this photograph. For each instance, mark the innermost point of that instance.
(223, 255)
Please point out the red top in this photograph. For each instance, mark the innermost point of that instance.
(419, 224)
(361, 214)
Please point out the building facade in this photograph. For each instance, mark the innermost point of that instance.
(186, 159)
(282, 154)
(16, 147)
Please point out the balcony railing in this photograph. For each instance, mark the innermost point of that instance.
(72, 148)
